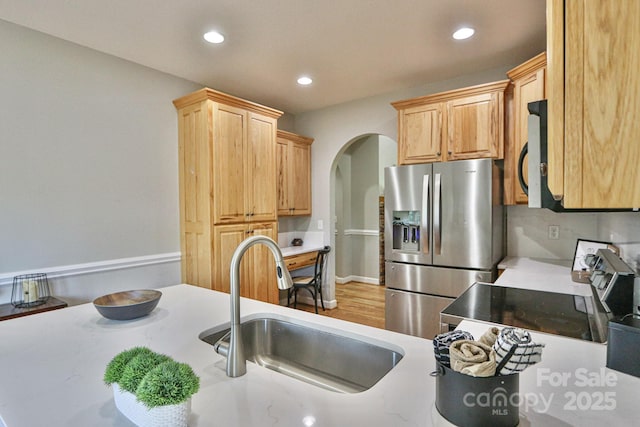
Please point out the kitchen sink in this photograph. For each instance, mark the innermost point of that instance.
(319, 356)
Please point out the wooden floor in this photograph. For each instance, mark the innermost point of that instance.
(357, 302)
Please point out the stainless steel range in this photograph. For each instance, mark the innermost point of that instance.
(560, 314)
(582, 317)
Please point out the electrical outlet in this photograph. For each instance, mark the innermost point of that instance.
(554, 232)
(320, 224)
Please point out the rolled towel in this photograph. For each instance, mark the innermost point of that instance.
(515, 351)
(442, 342)
(489, 337)
(472, 358)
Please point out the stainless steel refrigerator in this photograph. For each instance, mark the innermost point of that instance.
(444, 230)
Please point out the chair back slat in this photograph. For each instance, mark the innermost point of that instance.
(321, 263)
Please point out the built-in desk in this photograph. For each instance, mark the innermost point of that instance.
(295, 262)
(297, 257)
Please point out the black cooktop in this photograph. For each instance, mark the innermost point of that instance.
(555, 313)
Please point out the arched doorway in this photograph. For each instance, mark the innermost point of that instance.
(358, 177)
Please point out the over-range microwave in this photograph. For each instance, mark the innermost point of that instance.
(535, 150)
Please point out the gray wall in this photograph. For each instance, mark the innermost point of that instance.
(88, 163)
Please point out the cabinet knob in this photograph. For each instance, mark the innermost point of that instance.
(438, 154)
(449, 152)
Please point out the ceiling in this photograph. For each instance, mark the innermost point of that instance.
(351, 48)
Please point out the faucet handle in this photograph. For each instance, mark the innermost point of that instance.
(283, 276)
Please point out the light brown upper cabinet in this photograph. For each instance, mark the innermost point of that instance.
(420, 133)
(244, 165)
(460, 124)
(593, 97)
(227, 175)
(527, 85)
(293, 171)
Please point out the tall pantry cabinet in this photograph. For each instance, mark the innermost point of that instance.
(227, 185)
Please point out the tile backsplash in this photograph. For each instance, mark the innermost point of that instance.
(528, 232)
(623, 229)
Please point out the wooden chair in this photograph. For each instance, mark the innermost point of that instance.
(313, 284)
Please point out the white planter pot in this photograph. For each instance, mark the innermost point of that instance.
(160, 416)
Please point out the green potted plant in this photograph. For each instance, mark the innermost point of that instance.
(151, 389)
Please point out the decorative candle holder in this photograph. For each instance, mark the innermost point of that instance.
(30, 290)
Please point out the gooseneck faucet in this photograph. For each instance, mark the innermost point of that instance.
(236, 362)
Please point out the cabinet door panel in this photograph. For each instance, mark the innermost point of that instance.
(228, 164)
(262, 271)
(420, 134)
(194, 184)
(602, 105)
(472, 125)
(226, 239)
(282, 176)
(300, 179)
(293, 174)
(261, 171)
(528, 90)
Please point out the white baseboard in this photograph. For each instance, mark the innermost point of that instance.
(306, 299)
(354, 278)
(95, 267)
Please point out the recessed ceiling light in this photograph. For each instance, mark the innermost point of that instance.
(305, 81)
(463, 33)
(214, 37)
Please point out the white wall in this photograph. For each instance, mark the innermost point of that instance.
(88, 156)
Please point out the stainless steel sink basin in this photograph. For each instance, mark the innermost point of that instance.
(325, 358)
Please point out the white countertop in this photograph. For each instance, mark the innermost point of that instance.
(540, 274)
(572, 375)
(297, 250)
(313, 241)
(52, 364)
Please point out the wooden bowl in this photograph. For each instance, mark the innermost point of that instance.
(127, 305)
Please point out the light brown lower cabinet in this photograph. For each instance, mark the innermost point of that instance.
(257, 269)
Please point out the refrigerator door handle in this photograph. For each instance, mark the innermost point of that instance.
(437, 215)
(424, 217)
